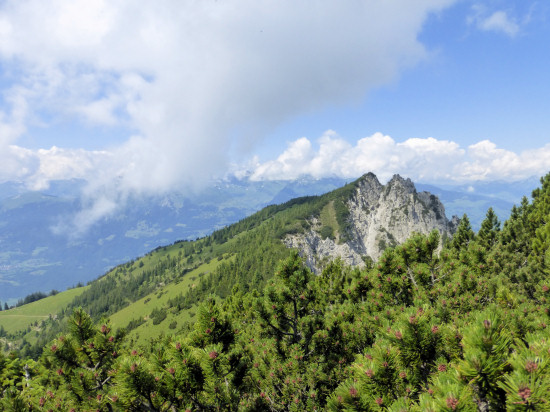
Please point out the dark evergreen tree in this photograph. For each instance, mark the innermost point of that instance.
(289, 309)
(490, 229)
(540, 220)
(464, 234)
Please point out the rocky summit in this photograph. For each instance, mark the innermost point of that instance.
(377, 217)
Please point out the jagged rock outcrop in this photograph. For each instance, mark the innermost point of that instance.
(379, 217)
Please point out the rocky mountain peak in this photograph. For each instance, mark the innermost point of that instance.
(399, 183)
(378, 217)
(369, 178)
(369, 183)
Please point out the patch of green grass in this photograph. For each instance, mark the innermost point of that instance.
(342, 213)
(22, 317)
(148, 331)
(328, 220)
(142, 308)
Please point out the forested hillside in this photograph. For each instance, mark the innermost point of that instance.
(464, 328)
(245, 253)
(36, 258)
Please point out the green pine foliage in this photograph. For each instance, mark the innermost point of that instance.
(490, 227)
(464, 234)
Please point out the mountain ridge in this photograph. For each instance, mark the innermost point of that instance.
(206, 321)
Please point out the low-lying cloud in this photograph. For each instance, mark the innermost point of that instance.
(426, 160)
(422, 159)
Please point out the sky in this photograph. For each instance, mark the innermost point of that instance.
(144, 97)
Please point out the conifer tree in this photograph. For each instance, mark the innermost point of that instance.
(203, 371)
(419, 256)
(447, 393)
(11, 378)
(489, 231)
(516, 238)
(290, 309)
(464, 234)
(538, 216)
(528, 385)
(332, 283)
(399, 364)
(80, 364)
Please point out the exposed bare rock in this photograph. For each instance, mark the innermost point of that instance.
(379, 217)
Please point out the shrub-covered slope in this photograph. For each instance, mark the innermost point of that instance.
(463, 329)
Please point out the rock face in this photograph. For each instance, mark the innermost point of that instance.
(379, 217)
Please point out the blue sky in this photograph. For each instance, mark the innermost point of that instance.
(144, 98)
(476, 84)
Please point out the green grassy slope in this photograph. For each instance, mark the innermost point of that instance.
(19, 319)
(160, 300)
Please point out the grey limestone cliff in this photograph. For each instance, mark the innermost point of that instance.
(379, 217)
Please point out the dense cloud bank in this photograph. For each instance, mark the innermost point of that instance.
(428, 160)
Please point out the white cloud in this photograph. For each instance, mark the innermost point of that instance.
(487, 162)
(190, 81)
(427, 160)
(498, 21)
(37, 168)
(12, 118)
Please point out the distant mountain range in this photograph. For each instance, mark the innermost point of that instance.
(34, 258)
